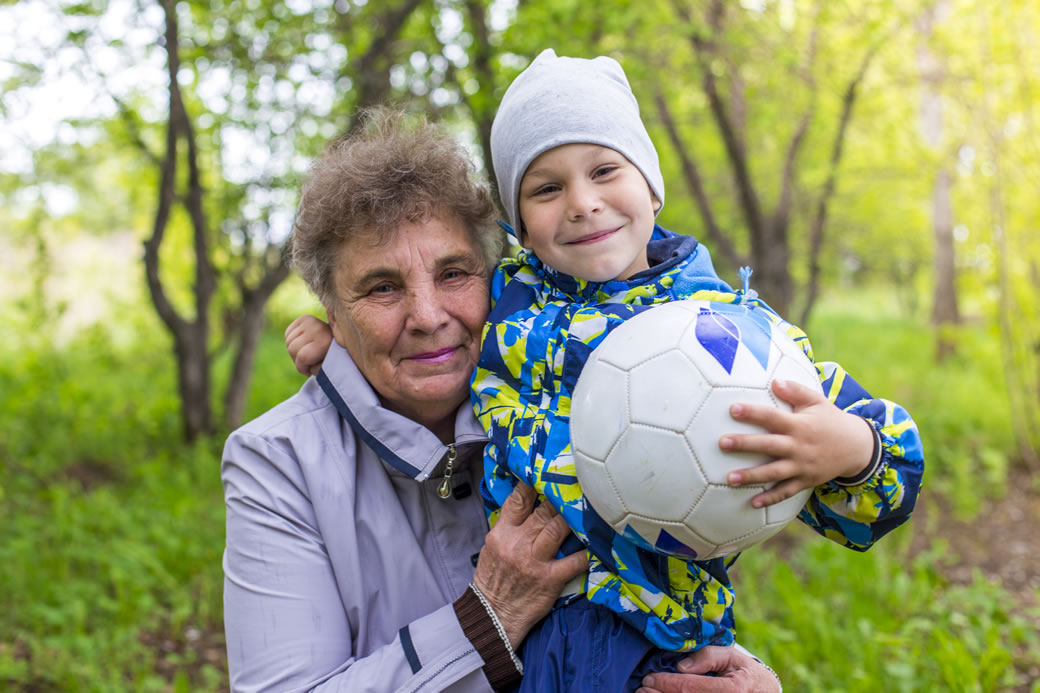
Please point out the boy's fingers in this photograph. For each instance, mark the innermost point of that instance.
(780, 492)
(763, 443)
(770, 472)
(768, 417)
(293, 326)
(796, 394)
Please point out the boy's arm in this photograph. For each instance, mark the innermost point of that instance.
(308, 340)
(866, 479)
(857, 512)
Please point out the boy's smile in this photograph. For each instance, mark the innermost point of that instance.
(587, 211)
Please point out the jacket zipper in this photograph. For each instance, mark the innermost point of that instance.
(444, 489)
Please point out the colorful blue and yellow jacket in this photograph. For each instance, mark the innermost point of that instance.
(542, 328)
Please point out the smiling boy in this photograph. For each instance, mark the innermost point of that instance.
(581, 183)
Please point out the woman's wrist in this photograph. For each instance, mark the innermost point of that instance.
(481, 627)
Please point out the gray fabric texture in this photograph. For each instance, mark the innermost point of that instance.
(331, 551)
(560, 100)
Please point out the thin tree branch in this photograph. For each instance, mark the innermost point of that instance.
(819, 222)
(704, 50)
(694, 183)
(782, 212)
(371, 69)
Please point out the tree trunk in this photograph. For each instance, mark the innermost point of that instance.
(944, 307)
(944, 303)
(193, 381)
(250, 329)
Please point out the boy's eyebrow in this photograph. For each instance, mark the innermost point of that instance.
(535, 172)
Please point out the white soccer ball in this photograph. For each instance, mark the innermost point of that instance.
(647, 413)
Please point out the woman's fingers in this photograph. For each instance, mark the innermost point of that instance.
(518, 504)
(550, 536)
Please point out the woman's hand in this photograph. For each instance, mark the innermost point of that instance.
(813, 444)
(308, 340)
(734, 672)
(517, 571)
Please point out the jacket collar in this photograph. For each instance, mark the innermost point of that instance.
(400, 442)
(667, 251)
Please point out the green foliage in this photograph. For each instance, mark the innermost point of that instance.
(110, 574)
(829, 620)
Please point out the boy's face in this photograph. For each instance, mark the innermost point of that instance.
(588, 212)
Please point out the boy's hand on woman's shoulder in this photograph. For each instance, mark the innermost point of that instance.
(308, 340)
(811, 445)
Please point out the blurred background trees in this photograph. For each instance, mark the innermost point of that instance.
(875, 162)
(821, 143)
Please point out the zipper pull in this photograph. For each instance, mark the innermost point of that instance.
(444, 489)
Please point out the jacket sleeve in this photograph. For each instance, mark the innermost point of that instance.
(857, 516)
(285, 623)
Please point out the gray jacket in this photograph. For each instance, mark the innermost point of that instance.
(342, 561)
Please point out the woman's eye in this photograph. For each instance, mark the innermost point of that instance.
(453, 274)
(382, 289)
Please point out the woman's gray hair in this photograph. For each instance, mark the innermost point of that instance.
(392, 169)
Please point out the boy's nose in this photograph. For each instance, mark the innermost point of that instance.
(582, 201)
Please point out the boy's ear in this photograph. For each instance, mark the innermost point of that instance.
(655, 202)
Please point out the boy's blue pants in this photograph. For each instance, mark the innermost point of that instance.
(588, 648)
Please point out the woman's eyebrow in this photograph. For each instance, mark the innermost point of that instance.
(457, 259)
(378, 274)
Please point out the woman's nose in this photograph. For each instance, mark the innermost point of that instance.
(427, 312)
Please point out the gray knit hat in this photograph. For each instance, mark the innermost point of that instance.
(559, 100)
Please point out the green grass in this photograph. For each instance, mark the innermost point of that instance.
(831, 620)
(110, 576)
(114, 528)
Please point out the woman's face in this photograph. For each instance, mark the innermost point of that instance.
(410, 312)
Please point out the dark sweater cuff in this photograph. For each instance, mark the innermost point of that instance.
(479, 628)
(870, 469)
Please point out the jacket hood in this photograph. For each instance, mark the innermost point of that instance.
(400, 442)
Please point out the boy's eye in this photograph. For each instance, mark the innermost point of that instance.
(546, 189)
(604, 170)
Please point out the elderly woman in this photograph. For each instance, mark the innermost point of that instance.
(358, 556)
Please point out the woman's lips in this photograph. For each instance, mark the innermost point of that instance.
(438, 356)
(593, 237)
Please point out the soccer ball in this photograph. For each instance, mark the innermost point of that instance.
(647, 413)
